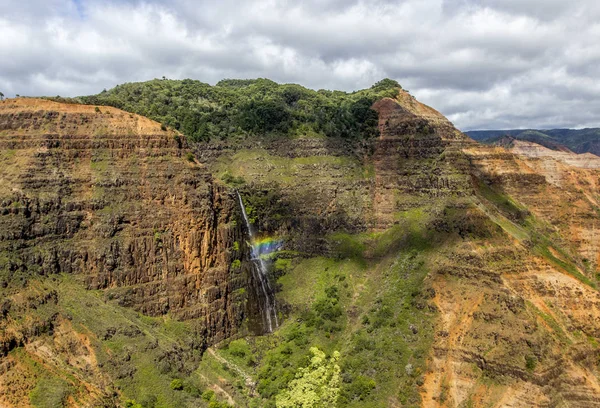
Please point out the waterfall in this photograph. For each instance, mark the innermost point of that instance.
(259, 271)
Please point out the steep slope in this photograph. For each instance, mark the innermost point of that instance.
(476, 220)
(106, 197)
(444, 272)
(525, 336)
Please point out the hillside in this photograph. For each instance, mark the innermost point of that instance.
(351, 262)
(234, 109)
(576, 140)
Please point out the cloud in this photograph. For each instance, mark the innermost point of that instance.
(483, 63)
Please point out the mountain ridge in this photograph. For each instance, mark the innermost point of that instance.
(576, 140)
(437, 267)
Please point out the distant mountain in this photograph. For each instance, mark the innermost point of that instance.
(576, 140)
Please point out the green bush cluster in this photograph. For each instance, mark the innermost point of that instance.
(49, 392)
(265, 208)
(210, 397)
(239, 348)
(280, 364)
(230, 179)
(241, 107)
(326, 312)
(317, 385)
(177, 384)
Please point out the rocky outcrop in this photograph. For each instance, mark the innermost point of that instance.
(533, 150)
(114, 201)
(110, 197)
(417, 155)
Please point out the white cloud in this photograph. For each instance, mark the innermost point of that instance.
(484, 63)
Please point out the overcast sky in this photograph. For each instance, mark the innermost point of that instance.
(486, 64)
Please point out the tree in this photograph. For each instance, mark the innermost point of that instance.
(1, 96)
(264, 115)
(315, 386)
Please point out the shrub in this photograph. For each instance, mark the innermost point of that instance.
(49, 392)
(314, 386)
(177, 384)
(190, 156)
(530, 363)
(192, 390)
(148, 401)
(332, 292)
(239, 348)
(361, 387)
(328, 309)
(282, 264)
(208, 395)
(228, 178)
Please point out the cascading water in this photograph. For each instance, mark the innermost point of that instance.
(266, 296)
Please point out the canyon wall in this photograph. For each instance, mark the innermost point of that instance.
(506, 237)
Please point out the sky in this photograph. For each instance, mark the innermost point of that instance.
(485, 64)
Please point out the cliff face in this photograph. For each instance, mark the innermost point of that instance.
(447, 273)
(525, 306)
(512, 303)
(514, 258)
(110, 198)
(416, 157)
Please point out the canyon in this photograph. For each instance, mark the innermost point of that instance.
(446, 273)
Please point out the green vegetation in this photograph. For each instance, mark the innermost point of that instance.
(248, 107)
(210, 397)
(346, 246)
(49, 393)
(177, 384)
(552, 323)
(357, 309)
(148, 359)
(508, 207)
(530, 363)
(231, 180)
(314, 386)
(265, 207)
(239, 348)
(282, 264)
(370, 309)
(525, 227)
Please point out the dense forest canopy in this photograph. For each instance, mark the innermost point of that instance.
(239, 107)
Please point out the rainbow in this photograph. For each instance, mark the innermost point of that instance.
(266, 245)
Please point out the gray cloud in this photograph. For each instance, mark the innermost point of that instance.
(483, 63)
